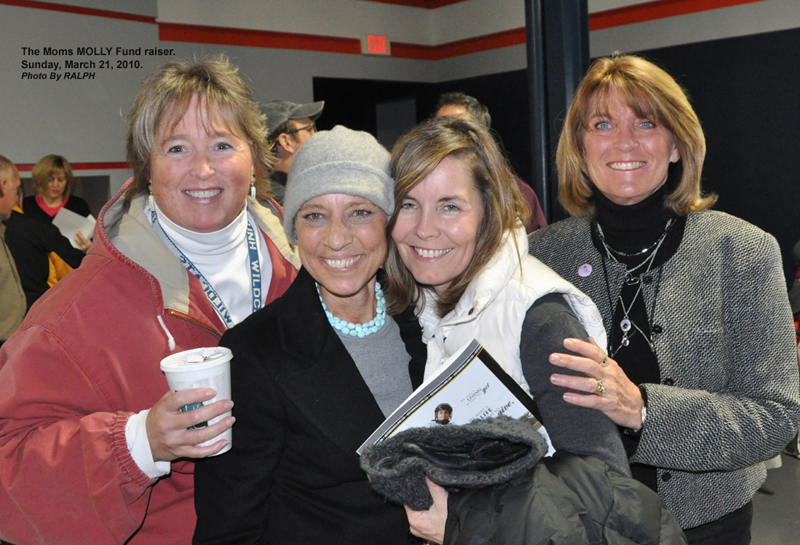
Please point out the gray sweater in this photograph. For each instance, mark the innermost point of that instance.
(729, 396)
(547, 323)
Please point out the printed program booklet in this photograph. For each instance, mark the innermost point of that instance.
(470, 385)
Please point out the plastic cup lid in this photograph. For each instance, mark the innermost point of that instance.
(196, 359)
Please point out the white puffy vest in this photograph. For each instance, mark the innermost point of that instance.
(494, 305)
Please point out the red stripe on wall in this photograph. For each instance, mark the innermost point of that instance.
(648, 11)
(414, 51)
(425, 4)
(482, 43)
(462, 47)
(659, 9)
(286, 40)
(80, 166)
(81, 11)
(256, 38)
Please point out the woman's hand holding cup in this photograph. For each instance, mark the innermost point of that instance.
(174, 433)
(180, 424)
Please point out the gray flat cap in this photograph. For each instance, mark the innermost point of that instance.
(280, 111)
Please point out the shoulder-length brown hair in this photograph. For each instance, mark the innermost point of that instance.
(651, 93)
(46, 167)
(414, 157)
(164, 97)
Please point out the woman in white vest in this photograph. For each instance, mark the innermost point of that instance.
(458, 255)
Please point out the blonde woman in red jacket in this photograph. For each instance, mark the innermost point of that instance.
(93, 447)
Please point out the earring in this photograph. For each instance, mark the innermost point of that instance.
(151, 202)
(253, 194)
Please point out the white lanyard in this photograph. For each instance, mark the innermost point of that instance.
(211, 293)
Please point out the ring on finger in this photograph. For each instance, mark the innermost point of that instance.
(604, 360)
(601, 388)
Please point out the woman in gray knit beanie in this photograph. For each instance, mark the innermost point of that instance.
(318, 370)
(340, 161)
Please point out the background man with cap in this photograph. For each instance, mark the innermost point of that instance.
(462, 106)
(290, 125)
(11, 294)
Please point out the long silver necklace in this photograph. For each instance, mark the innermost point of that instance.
(626, 325)
(630, 278)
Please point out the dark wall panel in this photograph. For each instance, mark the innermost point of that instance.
(746, 92)
(506, 96)
(352, 103)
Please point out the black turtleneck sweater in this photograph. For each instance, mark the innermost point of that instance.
(630, 229)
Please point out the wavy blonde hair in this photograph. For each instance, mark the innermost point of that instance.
(651, 93)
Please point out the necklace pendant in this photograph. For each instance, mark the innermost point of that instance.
(625, 341)
(625, 325)
(631, 280)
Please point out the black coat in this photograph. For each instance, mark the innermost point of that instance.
(74, 204)
(302, 410)
(31, 242)
(566, 500)
(503, 491)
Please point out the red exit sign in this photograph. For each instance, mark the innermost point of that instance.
(375, 45)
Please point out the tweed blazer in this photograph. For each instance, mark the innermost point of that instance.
(729, 397)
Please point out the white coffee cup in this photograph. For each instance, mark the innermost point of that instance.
(202, 368)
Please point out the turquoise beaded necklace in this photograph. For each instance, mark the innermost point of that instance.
(359, 330)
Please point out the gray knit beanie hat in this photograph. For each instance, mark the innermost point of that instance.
(338, 161)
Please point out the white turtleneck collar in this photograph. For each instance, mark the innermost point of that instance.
(222, 256)
(205, 247)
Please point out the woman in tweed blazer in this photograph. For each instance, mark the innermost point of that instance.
(701, 372)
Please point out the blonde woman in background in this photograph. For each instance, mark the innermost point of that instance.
(54, 184)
